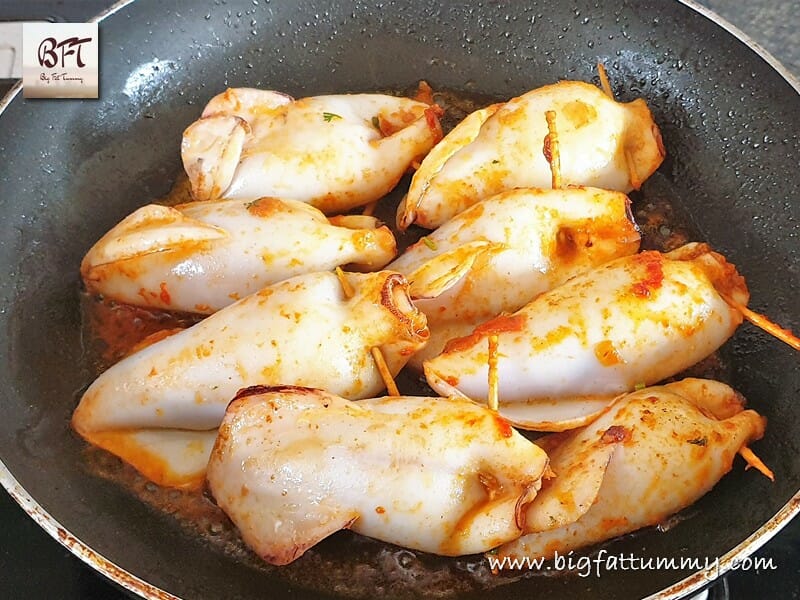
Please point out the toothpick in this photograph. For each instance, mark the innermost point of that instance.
(551, 151)
(493, 400)
(383, 369)
(763, 323)
(377, 355)
(348, 290)
(756, 463)
(633, 176)
(604, 83)
(369, 209)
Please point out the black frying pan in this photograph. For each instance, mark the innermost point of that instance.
(71, 169)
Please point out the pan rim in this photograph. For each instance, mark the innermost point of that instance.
(688, 585)
(76, 546)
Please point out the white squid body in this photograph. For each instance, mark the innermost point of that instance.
(294, 465)
(202, 256)
(159, 408)
(501, 147)
(652, 453)
(329, 151)
(502, 252)
(569, 352)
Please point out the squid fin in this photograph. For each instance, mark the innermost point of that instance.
(566, 497)
(556, 415)
(287, 546)
(168, 457)
(210, 150)
(243, 102)
(461, 135)
(152, 228)
(442, 272)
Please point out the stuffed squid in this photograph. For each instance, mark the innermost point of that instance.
(334, 152)
(159, 408)
(565, 355)
(650, 454)
(602, 143)
(202, 256)
(293, 465)
(500, 253)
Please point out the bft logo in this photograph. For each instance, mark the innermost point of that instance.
(48, 57)
(59, 60)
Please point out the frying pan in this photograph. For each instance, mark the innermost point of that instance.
(71, 169)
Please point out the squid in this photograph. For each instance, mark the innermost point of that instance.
(293, 465)
(159, 408)
(564, 356)
(333, 152)
(650, 454)
(202, 256)
(603, 143)
(500, 253)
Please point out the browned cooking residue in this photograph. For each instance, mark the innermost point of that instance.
(112, 330)
(615, 434)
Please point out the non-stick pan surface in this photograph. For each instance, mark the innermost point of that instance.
(71, 169)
